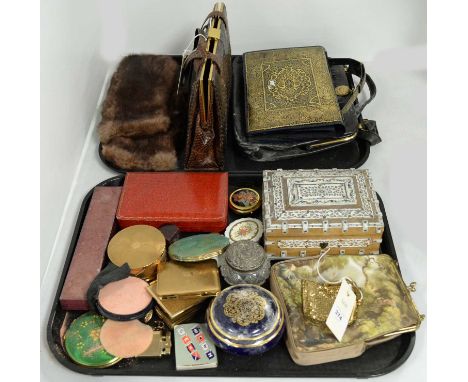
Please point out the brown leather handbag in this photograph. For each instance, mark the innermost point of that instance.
(210, 87)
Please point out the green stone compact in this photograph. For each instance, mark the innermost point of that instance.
(198, 247)
(83, 345)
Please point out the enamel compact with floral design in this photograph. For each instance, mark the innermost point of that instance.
(244, 229)
(244, 201)
(245, 319)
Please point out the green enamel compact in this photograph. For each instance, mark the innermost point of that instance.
(198, 247)
(83, 345)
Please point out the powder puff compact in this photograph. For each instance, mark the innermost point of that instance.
(134, 339)
(126, 339)
(124, 300)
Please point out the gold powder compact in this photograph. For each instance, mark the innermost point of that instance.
(175, 311)
(178, 280)
(143, 247)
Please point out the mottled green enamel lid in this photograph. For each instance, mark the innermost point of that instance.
(198, 247)
(83, 345)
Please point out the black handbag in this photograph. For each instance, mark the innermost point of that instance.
(300, 140)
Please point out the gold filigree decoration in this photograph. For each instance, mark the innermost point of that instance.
(318, 299)
(289, 87)
(244, 308)
(288, 84)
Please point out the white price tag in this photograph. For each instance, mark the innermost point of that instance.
(341, 311)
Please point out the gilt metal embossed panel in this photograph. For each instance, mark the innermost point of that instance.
(289, 87)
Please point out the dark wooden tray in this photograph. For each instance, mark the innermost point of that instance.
(378, 360)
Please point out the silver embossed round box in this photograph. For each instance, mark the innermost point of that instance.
(244, 262)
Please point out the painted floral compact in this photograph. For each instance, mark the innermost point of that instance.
(244, 229)
(244, 201)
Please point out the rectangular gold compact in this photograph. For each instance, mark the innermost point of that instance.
(178, 280)
(175, 311)
(179, 319)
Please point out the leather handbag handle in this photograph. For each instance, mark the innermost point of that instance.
(217, 14)
(357, 68)
(203, 55)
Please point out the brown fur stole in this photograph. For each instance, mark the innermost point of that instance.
(140, 123)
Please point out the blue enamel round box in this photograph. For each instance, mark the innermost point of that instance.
(245, 319)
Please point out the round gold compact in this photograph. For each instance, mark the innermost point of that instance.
(141, 246)
(244, 201)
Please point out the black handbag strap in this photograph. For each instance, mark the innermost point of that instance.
(356, 68)
(366, 130)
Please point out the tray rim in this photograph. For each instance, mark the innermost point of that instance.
(364, 149)
(64, 361)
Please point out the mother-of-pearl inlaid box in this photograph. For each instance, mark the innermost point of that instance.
(304, 210)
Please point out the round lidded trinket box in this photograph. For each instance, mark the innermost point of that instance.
(244, 229)
(245, 320)
(244, 262)
(83, 345)
(141, 246)
(244, 201)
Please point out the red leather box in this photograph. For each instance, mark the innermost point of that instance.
(194, 201)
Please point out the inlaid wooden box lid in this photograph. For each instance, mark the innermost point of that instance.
(320, 203)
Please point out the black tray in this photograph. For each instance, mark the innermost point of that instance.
(349, 155)
(378, 360)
